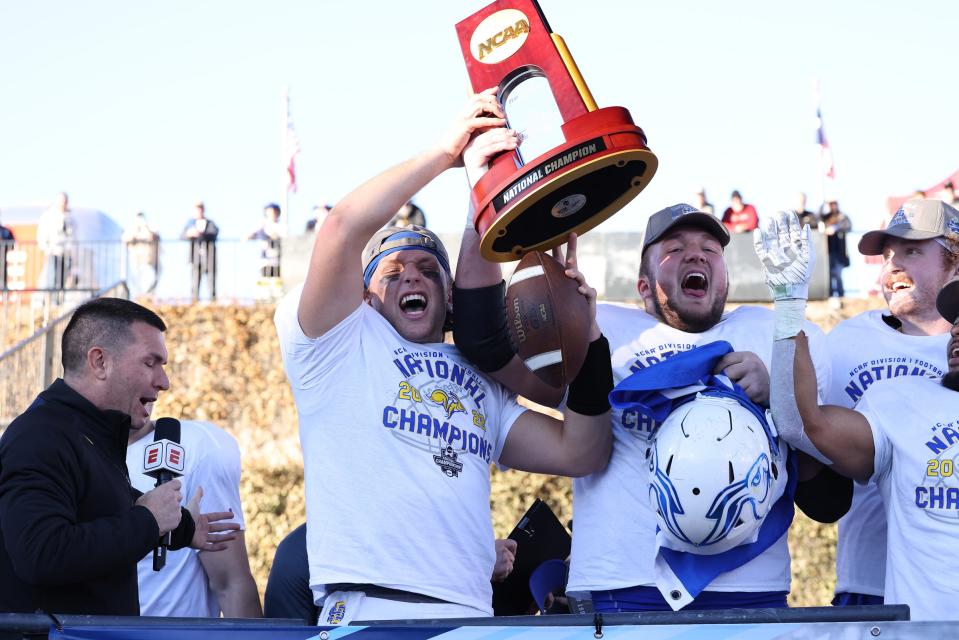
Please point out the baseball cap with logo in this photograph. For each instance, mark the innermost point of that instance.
(392, 239)
(917, 219)
(682, 214)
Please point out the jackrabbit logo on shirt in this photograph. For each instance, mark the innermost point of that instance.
(438, 408)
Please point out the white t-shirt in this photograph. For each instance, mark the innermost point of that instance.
(614, 526)
(864, 350)
(397, 441)
(915, 428)
(212, 461)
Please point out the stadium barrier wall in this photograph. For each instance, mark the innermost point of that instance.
(815, 622)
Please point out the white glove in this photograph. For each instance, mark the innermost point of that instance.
(787, 256)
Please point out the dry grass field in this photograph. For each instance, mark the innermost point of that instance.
(225, 367)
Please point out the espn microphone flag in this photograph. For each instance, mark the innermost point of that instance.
(163, 460)
(163, 455)
(291, 147)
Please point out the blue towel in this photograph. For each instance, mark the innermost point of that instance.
(644, 390)
(685, 575)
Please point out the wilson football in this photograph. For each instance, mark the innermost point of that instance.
(548, 319)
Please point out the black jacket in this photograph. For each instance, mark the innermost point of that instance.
(70, 535)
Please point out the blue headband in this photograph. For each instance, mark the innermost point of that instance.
(401, 235)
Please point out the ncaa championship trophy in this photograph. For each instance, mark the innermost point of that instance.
(577, 164)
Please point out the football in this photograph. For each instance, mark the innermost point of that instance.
(548, 319)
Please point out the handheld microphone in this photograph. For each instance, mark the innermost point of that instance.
(163, 460)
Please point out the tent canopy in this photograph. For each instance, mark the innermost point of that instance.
(92, 225)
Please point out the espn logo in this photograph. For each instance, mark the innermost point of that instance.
(163, 455)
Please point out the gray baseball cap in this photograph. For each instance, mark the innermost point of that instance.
(917, 219)
(392, 239)
(682, 214)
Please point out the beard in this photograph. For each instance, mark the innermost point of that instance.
(917, 300)
(685, 320)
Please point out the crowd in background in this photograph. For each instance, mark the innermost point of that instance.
(828, 219)
(56, 233)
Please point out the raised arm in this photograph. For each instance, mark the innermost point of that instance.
(833, 435)
(841, 434)
(331, 291)
(479, 292)
(473, 270)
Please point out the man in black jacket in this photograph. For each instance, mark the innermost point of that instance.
(71, 527)
(202, 234)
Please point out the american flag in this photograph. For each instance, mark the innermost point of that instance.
(291, 147)
(825, 153)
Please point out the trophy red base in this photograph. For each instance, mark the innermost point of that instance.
(601, 162)
(603, 165)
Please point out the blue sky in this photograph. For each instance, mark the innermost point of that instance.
(149, 106)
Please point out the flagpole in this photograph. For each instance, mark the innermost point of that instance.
(821, 170)
(285, 142)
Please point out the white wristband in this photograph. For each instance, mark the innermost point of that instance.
(782, 400)
(790, 315)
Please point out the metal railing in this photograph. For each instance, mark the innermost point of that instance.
(27, 266)
(23, 313)
(236, 269)
(39, 625)
(33, 363)
(239, 273)
(35, 286)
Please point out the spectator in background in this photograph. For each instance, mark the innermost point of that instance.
(202, 233)
(805, 215)
(703, 204)
(948, 194)
(740, 217)
(319, 215)
(143, 249)
(270, 235)
(196, 583)
(56, 232)
(836, 224)
(6, 243)
(408, 215)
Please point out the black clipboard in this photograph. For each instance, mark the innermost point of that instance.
(539, 536)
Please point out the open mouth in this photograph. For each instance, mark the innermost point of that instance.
(695, 283)
(413, 303)
(147, 404)
(899, 285)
